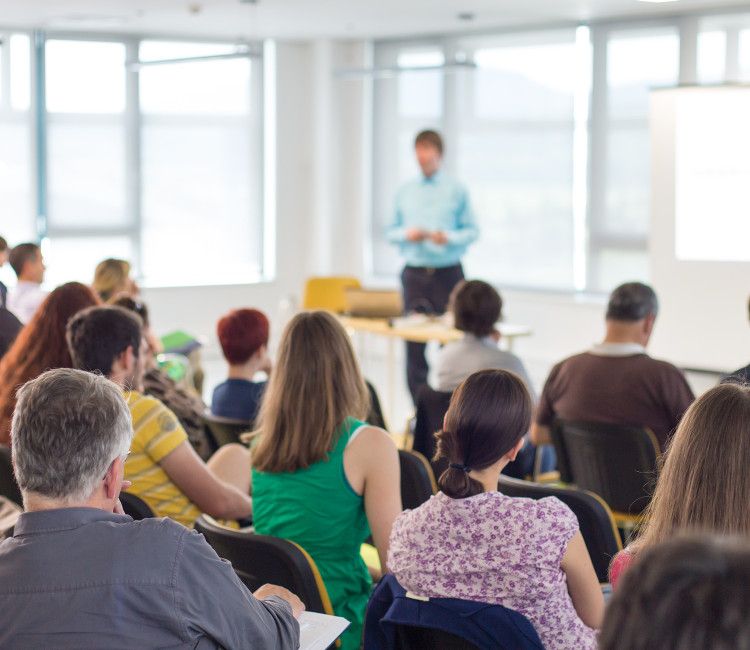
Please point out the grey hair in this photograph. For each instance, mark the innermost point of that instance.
(68, 427)
(631, 302)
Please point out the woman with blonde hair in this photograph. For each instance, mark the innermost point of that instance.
(112, 280)
(321, 476)
(704, 485)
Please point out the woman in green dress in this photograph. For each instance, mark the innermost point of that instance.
(322, 477)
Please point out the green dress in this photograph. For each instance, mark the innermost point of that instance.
(318, 509)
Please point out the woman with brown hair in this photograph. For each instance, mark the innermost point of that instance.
(321, 476)
(704, 485)
(40, 346)
(474, 543)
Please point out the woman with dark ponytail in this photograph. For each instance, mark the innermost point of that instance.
(474, 543)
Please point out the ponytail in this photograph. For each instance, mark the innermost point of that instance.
(488, 414)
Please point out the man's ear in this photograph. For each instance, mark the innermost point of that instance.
(648, 324)
(126, 359)
(113, 478)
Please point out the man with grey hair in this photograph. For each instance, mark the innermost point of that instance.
(616, 381)
(79, 573)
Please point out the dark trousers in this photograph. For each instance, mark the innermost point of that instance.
(426, 291)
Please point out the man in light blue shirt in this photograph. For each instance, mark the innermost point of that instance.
(433, 226)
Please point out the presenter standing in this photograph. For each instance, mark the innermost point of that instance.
(433, 226)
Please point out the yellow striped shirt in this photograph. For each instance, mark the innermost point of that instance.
(158, 433)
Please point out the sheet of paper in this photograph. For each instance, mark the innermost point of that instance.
(318, 631)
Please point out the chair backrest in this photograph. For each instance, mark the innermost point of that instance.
(225, 431)
(417, 480)
(328, 292)
(136, 507)
(409, 637)
(261, 559)
(594, 517)
(8, 486)
(619, 463)
(432, 406)
(375, 416)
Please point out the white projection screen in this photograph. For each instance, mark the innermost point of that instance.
(700, 224)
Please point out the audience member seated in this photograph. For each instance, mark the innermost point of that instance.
(3, 260)
(741, 376)
(684, 594)
(704, 485)
(27, 263)
(617, 382)
(40, 346)
(112, 280)
(243, 334)
(165, 470)
(473, 543)
(320, 474)
(10, 326)
(79, 573)
(185, 404)
(476, 308)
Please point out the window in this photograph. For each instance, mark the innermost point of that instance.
(637, 61)
(517, 158)
(202, 196)
(406, 104)
(155, 160)
(16, 163)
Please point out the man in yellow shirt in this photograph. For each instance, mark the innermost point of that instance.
(165, 470)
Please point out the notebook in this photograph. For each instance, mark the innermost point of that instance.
(318, 631)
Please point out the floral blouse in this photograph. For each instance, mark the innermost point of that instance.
(495, 549)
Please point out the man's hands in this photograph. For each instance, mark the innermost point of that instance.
(266, 591)
(417, 234)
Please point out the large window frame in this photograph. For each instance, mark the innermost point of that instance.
(592, 235)
(132, 120)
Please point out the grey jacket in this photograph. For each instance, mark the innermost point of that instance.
(85, 578)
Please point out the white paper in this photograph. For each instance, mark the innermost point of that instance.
(318, 631)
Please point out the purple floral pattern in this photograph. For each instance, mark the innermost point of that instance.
(494, 549)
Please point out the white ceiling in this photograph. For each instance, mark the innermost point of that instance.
(321, 18)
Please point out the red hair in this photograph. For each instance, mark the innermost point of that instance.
(40, 346)
(241, 333)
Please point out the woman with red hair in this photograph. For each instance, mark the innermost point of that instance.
(40, 346)
(243, 334)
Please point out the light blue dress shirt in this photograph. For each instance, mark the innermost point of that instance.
(435, 203)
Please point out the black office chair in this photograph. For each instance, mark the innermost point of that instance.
(375, 416)
(417, 480)
(432, 406)
(8, 486)
(261, 559)
(136, 507)
(595, 519)
(619, 463)
(418, 638)
(224, 431)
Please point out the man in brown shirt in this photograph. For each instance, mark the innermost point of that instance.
(616, 381)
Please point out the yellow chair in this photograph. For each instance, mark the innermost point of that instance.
(328, 293)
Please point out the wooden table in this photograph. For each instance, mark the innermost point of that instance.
(418, 330)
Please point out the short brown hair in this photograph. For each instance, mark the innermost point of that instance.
(3, 245)
(685, 594)
(21, 254)
(430, 137)
(488, 414)
(242, 332)
(476, 307)
(315, 385)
